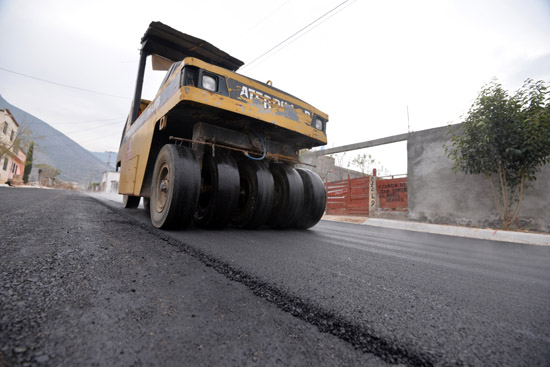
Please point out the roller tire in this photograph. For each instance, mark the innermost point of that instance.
(289, 196)
(256, 195)
(130, 201)
(175, 187)
(315, 199)
(219, 191)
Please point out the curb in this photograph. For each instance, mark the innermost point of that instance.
(484, 234)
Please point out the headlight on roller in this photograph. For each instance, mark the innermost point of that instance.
(318, 124)
(209, 83)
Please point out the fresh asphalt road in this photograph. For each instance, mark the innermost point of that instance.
(337, 294)
(422, 298)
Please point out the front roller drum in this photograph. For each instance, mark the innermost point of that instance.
(315, 199)
(289, 196)
(256, 195)
(175, 187)
(219, 190)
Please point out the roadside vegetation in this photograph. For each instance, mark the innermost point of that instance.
(505, 138)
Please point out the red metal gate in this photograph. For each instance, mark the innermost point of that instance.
(351, 196)
(348, 197)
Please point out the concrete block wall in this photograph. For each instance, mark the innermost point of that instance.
(327, 169)
(437, 195)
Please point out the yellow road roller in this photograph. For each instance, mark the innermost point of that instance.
(215, 147)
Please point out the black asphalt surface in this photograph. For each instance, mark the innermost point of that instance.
(85, 282)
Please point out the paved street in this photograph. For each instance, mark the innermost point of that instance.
(85, 282)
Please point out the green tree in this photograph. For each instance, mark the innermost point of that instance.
(28, 164)
(506, 139)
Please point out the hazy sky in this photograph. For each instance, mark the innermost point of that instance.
(364, 64)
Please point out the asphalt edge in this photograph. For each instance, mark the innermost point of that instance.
(478, 233)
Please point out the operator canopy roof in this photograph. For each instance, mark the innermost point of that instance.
(172, 44)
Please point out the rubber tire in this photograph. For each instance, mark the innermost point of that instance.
(289, 196)
(130, 202)
(256, 195)
(315, 199)
(175, 206)
(219, 191)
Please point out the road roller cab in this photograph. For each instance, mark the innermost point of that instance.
(216, 147)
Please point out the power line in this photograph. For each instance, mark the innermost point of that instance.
(101, 137)
(78, 122)
(62, 85)
(269, 15)
(306, 32)
(118, 119)
(92, 128)
(295, 33)
(77, 131)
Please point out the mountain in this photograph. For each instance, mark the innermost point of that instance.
(53, 148)
(107, 157)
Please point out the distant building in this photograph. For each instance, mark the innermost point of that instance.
(109, 182)
(12, 157)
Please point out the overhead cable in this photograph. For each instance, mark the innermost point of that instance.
(296, 33)
(63, 85)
